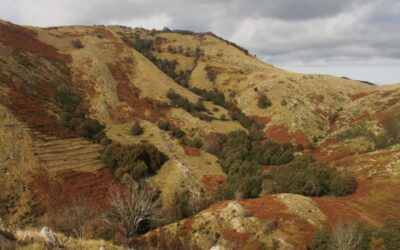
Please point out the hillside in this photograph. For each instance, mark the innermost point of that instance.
(70, 98)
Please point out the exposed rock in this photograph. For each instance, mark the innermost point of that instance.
(303, 207)
(50, 238)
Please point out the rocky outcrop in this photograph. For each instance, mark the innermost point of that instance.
(50, 238)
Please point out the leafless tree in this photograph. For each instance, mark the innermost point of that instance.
(347, 236)
(131, 208)
(74, 218)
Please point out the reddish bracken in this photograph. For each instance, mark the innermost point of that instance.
(190, 151)
(128, 93)
(35, 113)
(55, 194)
(213, 182)
(359, 95)
(25, 40)
(281, 134)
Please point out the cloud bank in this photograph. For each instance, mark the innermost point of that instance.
(355, 38)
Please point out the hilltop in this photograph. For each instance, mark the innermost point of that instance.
(87, 109)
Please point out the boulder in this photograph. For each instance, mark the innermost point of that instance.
(50, 238)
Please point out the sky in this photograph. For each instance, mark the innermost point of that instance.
(359, 39)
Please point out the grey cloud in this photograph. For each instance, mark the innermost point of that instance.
(334, 32)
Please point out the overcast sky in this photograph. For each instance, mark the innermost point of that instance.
(355, 38)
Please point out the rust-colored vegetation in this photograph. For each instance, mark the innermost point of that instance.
(35, 113)
(191, 151)
(281, 134)
(55, 194)
(25, 40)
(213, 182)
(128, 93)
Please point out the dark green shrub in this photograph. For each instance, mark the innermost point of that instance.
(322, 240)
(390, 233)
(211, 74)
(306, 177)
(263, 102)
(164, 125)
(74, 116)
(342, 184)
(141, 159)
(182, 102)
(77, 44)
(177, 133)
(136, 129)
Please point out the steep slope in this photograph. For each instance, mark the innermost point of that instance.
(301, 104)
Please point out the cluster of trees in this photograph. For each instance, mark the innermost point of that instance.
(307, 177)
(356, 236)
(196, 109)
(180, 135)
(218, 98)
(242, 158)
(215, 96)
(74, 116)
(138, 160)
(146, 46)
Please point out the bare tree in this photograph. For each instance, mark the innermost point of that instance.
(347, 236)
(131, 208)
(75, 217)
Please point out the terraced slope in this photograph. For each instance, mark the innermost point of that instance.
(67, 154)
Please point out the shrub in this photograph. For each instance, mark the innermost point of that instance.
(306, 177)
(390, 233)
(196, 143)
(77, 44)
(177, 133)
(164, 125)
(322, 240)
(263, 102)
(136, 129)
(141, 159)
(211, 74)
(283, 102)
(182, 102)
(74, 116)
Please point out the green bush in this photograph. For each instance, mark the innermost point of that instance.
(177, 133)
(390, 233)
(322, 240)
(141, 159)
(164, 125)
(241, 158)
(182, 102)
(77, 44)
(136, 129)
(211, 74)
(306, 177)
(74, 116)
(263, 102)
